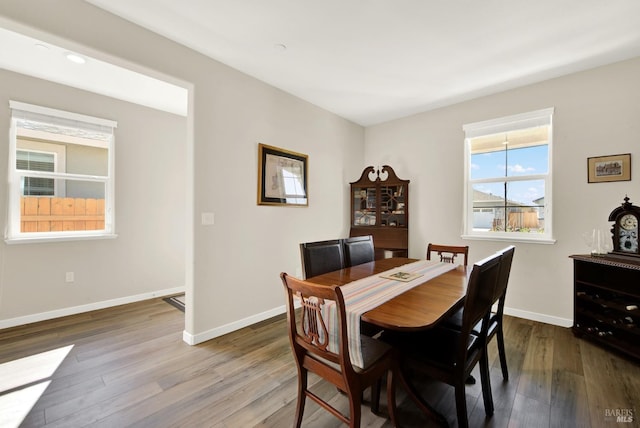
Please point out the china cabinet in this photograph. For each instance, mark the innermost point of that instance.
(380, 207)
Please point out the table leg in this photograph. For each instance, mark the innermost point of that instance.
(420, 402)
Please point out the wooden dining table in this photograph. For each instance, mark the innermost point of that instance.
(419, 308)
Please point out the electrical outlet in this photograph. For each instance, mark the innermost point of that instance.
(69, 277)
(208, 219)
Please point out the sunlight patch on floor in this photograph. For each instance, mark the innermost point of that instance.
(23, 381)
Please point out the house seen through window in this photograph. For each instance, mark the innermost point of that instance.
(508, 183)
(36, 161)
(61, 183)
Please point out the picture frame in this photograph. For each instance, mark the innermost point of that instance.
(282, 177)
(603, 169)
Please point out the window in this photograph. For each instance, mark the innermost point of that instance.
(36, 161)
(508, 178)
(60, 175)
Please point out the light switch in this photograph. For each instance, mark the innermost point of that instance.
(207, 219)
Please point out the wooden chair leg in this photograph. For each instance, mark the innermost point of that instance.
(461, 405)
(502, 354)
(355, 410)
(302, 395)
(375, 397)
(485, 380)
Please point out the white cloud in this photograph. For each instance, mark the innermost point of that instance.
(520, 168)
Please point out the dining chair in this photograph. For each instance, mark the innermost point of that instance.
(358, 250)
(495, 321)
(448, 355)
(326, 256)
(321, 257)
(448, 253)
(309, 337)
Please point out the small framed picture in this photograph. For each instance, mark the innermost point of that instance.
(602, 169)
(282, 177)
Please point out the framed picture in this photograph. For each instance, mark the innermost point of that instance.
(603, 169)
(282, 177)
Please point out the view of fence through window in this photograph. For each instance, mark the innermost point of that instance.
(507, 176)
(50, 214)
(62, 174)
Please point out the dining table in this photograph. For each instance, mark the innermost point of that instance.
(419, 308)
(429, 300)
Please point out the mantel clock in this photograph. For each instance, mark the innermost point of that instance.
(625, 229)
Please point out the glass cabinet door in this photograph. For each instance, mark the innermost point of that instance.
(392, 206)
(365, 204)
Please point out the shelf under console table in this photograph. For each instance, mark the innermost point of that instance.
(607, 301)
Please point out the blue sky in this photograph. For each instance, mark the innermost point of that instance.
(519, 162)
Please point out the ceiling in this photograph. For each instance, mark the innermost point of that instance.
(40, 57)
(375, 60)
(370, 61)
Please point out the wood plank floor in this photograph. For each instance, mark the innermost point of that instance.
(128, 367)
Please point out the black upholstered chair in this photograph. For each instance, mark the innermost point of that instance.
(495, 322)
(449, 355)
(321, 257)
(358, 250)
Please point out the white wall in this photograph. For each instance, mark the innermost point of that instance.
(239, 259)
(236, 262)
(147, 257)
(596, 113)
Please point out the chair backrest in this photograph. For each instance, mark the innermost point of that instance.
(481, 291)
(448, 253)
(321, 257)
(503, 278)
(308, 330)
(358, 250)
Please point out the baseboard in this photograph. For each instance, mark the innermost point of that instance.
(44, 316)
(534, 316)
(192, 339)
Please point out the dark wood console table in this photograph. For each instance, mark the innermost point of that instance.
(607, 301)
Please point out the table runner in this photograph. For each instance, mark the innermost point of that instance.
(367, 293)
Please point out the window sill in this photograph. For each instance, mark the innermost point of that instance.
(47, 239)
(510, 238)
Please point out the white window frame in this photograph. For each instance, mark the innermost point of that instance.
(63, 118)
(503, 125)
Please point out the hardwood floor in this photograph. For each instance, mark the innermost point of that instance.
(128, 367)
